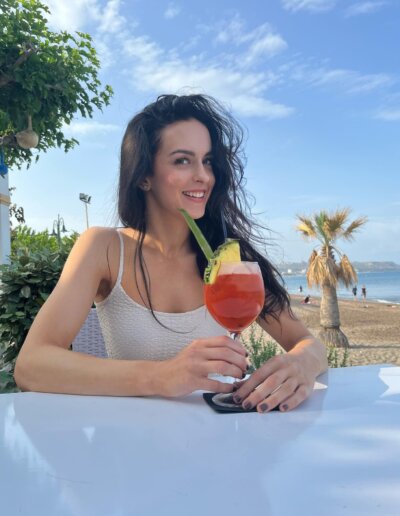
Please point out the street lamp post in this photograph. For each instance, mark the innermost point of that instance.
(57, 229)
(86, 200)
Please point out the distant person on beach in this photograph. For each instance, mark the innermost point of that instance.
(354, 290)
(300, 289)
(364, 292)
(306, 300)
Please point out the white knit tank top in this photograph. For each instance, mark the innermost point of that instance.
(131, 332)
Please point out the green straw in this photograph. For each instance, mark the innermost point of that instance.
(201, 240)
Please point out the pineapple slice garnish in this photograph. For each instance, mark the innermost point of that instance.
(229, 251)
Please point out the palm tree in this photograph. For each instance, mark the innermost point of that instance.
(327, 266)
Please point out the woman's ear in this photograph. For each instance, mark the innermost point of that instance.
(145, 185)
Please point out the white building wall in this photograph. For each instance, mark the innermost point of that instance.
(5, 243)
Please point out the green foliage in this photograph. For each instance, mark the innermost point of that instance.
(24, 239)
(25, 285)
(338, 357)
(50, 76)
(7, 383)
(259, 349)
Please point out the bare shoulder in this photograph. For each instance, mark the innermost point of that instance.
(91, 255)
(97, 236)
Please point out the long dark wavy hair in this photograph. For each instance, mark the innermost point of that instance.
(228, 199)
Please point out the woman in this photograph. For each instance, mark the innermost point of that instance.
(146, 278)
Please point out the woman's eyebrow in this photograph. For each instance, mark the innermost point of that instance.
(190, 153)
(181, 151)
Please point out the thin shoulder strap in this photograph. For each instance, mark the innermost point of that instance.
(121, 258)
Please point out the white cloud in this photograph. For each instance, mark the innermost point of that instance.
(354, 82)
(88, 128)
(154, 70)
(232, 31)
(389, 115)
(364, 8)
(350, 81)
(268, 45)
(261, 42)
(110, 19)
(142, 48)
(308, 5)
(172, 11)
(73, 15)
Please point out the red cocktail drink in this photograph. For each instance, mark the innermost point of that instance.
(235, 299)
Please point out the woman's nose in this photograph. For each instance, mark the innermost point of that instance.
(202, 173)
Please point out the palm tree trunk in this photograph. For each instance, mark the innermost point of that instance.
(330, 333)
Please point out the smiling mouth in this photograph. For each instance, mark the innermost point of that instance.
(195, 195)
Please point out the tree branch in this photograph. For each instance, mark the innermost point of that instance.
(5, 79)
(23, 57)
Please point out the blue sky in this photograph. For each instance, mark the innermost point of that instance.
(316, 83)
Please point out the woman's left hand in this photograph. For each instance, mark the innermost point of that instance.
(284, 381)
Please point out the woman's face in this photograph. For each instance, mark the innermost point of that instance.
(183, 175)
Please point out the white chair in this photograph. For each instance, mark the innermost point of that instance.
(90, 339)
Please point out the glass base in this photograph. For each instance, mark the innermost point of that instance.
(224, 400)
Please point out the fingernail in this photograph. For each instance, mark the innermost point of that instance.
(248, 367)
(247, 354)
(237, 399)
(263, 407)
(244, 375)
(284, 407)
(247, 405)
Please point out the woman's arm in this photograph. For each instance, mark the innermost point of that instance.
(45, 363)
(288, 379)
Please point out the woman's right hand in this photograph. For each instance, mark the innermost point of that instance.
(189, 370)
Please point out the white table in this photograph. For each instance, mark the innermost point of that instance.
(339, 453)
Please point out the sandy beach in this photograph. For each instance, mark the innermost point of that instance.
(373, 329)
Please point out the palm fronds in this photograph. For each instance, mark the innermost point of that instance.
(328, 227)
(334, 223)
(346, 272)
(306, 227)
(348, 233)
(321, 270)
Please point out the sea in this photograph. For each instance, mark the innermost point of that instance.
(383, 287)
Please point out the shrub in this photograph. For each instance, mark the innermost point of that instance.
(338, 357)
(25, 285)
(259, 349)
(23, 238)
(7, 383)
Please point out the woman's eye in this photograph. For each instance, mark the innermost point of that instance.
(208, 162)
(181, 161)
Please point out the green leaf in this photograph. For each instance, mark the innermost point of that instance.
(26, 292)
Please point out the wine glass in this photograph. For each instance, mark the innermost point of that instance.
(235, 300)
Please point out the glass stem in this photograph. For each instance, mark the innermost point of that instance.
(235, 335)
